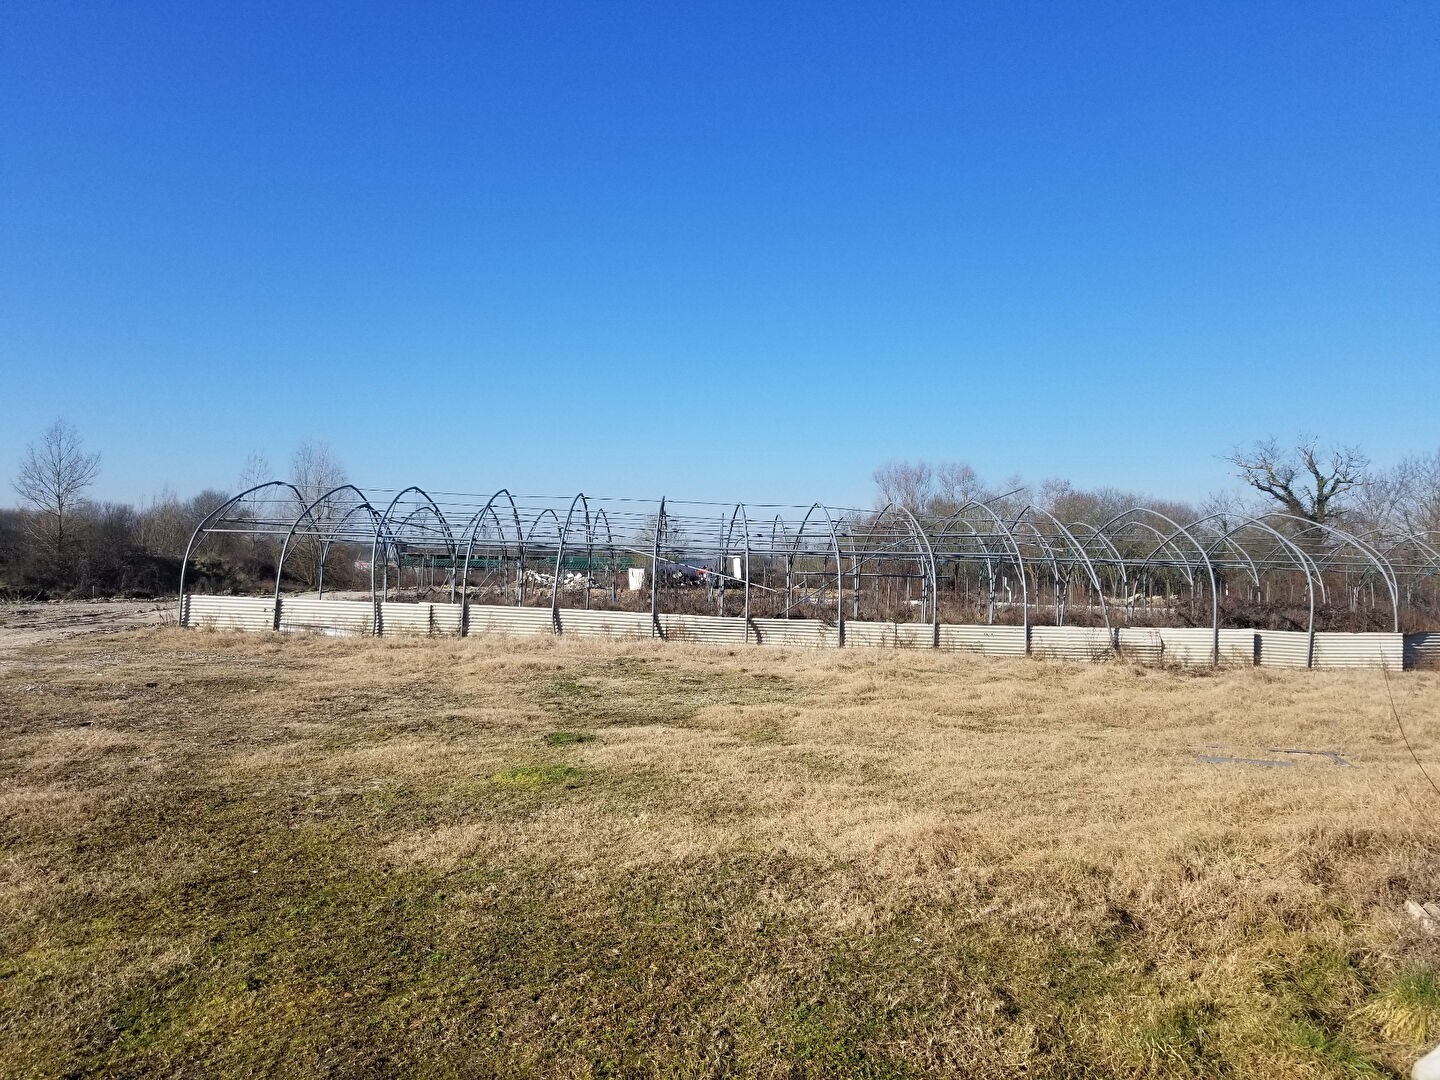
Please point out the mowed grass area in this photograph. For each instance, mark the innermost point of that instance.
(224, 854)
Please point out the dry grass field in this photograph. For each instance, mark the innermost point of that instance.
(240, 855)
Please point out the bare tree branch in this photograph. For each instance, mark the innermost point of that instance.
(52, 476)
(1306, 482)
(314, 470)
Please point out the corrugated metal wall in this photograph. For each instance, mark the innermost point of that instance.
(984, 640)
(1071, 642)
(890, 635)
(705, 629)
(803, 632)
(398, 618)
(1335, 650)
(229, 612)
(605, 624)
(329, 616)
(1422, 650)
(1144, 644)
(1281, 648)
(1272, 648)
(1239, 647)
(496, 619)
(445, 619)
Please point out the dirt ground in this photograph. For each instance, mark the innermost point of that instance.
(38, 623)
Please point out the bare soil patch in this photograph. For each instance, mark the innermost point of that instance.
(25, 623)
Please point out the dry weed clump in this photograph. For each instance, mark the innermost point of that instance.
(229, 854)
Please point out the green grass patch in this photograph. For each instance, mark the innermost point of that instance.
(567, 738)
(1333, 1049)
(570, 689)
(1409, 1010)
(1181, 1041)
(537, 777)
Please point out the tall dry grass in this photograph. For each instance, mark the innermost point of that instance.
(239, 854)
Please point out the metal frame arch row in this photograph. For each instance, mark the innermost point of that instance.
(601, 515)
(333, 537)
(985, 554)
(727, 542)
(1380, 564)
(1113, 558)
(1048, 552)
(530, 542)
(213, 516)
(380, 527)
(307, 510)
(578, 500)
(656, 630)
(1009, 534)
(473, 528)
(839, 571)
(1079, 549)
(1205, 559)
(924, 554)
(402, 545)
(1301, 560)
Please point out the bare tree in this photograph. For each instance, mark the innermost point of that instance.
(161, 524)
(956, 484)
(1418, 480)
(904, 484)
(1070, 505)
(1307, 482)
(52, 476)
(256, 471)
(925, 489)
(315, 470)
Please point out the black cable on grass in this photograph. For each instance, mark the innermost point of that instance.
(1396, 714)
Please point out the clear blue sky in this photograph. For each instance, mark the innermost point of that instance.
(739, 250)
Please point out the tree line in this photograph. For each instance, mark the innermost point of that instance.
(1335, 486)
(59, 542)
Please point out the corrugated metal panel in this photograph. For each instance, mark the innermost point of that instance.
(327, 616)
(1281, 648)
(577, 622)
(985, 640)
(401, 618)
(230, 612)
(1193, 645)
(810, 633)
(1275, 648)
(1334, 650)
(1239, 647)
(1143, 644)
(707, 629)
(1422, 650)
(1071, 642)
(889, 635)
(1189, 645)
(497, 619)
(1185, 645)
(445, 618)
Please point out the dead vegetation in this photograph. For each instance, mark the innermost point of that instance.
(228, 854)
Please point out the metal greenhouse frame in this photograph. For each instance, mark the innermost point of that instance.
(840, 571)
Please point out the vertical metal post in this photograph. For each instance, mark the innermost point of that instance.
(747, 583)
(724, 565)
(655, 630)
